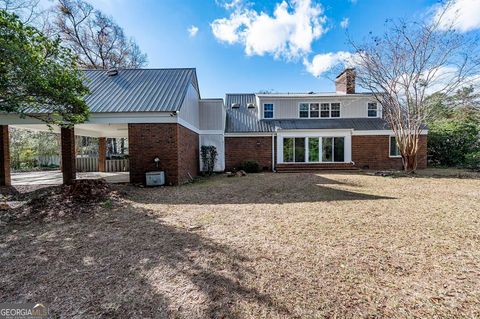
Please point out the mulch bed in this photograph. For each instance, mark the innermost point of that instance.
(51, 203)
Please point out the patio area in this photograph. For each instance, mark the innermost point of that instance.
(55, 177)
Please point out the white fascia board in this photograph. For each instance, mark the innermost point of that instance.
(249, 134)
(382, 132)
(102, 118)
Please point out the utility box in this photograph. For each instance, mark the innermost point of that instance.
(155, 178)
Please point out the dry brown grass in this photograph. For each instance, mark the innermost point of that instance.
(261, 246)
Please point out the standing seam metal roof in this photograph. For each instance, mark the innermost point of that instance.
(139, 90)
(243, 119)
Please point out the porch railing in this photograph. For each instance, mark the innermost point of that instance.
(90, 164)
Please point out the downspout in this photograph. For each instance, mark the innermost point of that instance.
(273, 149)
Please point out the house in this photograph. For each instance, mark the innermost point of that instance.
(309, 131)
(166, 121)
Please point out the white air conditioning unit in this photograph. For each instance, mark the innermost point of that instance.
(155, 178)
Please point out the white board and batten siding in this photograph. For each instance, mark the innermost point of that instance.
(190, 111)
(212, 128)
(288, 107)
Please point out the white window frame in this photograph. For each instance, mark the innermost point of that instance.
(305, 138)
(273, 111)
(378, 110)
(308, 110)
(390, 147)
(320, 110)
(307, 134)
(339, 110)
(329, 111)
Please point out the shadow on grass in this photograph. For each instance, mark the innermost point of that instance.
(267, 188)
(125, 263)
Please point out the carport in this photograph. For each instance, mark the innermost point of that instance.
(68, 173)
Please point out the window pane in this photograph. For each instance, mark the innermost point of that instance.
(268, 110)
(327, 149)
(314, 107)
(372, 109)
(339, 149)
(299, 149)
(303, 109)
(335, 109)
(394, 150)
(313, 149)
(288, 149)
(325, 110)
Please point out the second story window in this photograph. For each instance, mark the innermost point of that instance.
(372, 109)
(314, 107)
(335, 110)
(303, 111)
(268, 111)
(325, 110)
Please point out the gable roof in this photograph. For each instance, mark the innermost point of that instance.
(139, 90)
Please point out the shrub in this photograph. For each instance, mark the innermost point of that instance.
(450, 140)
(251, 166)
(472, 161)
(209, 157)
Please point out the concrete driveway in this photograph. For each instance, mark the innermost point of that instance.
(55, 177)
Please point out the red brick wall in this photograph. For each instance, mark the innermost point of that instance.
(69, 170)
(188, 154)
(4, 156)
(373, 152)
(238, 149)
(174, 145)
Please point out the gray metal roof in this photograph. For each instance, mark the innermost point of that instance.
(361, 124)
(245, 120)
(139, 90)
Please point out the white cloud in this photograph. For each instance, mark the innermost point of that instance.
(322, 63)
(344, 23)
(288, 33)
(462, 15)
(192, 31)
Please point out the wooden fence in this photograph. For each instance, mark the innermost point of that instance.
(90, 164)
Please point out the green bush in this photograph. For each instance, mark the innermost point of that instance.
(251, 166)
(450, 140)
(472, 161)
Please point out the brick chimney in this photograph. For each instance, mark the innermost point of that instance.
(345, 82)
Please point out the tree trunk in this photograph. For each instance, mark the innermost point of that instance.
(409, 163)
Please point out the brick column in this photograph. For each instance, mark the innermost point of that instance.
(102, 154)
(68, 155)
(4, 156)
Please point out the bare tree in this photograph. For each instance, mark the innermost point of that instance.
(408, 63)
(27, 10)
(97, 40)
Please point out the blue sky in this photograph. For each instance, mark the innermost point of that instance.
(255, 56)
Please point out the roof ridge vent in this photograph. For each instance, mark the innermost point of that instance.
(112, 71)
